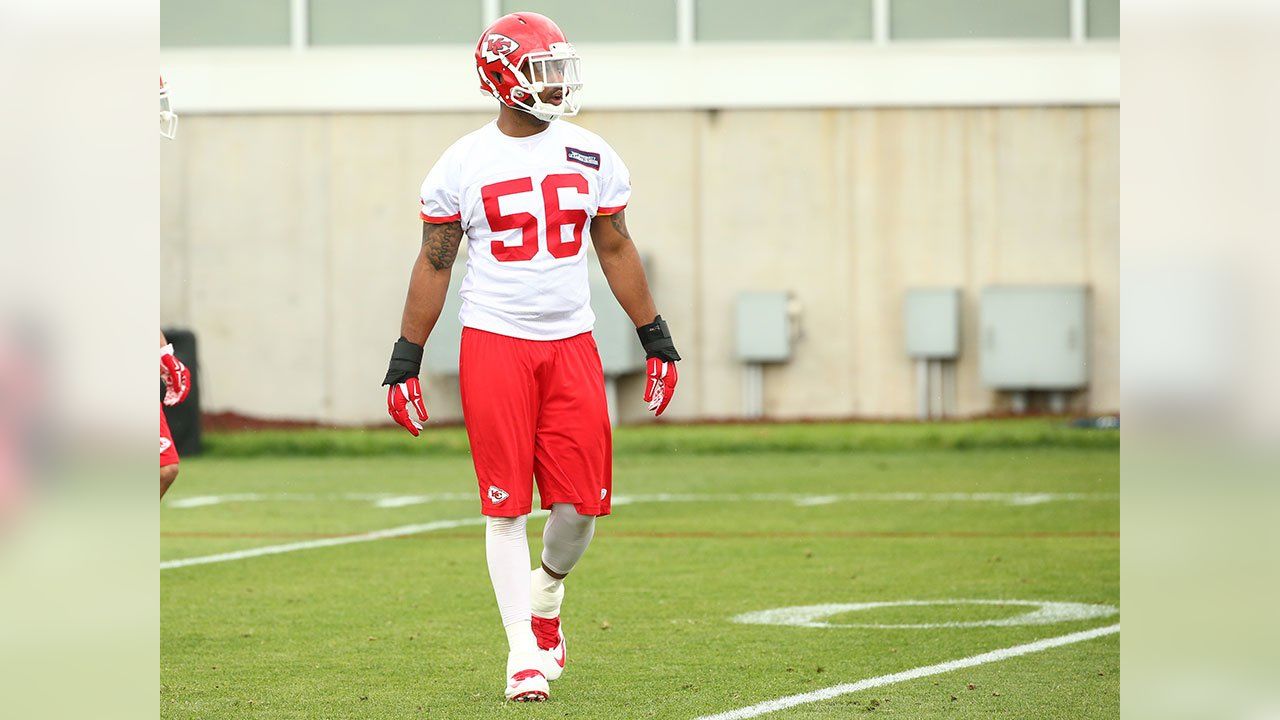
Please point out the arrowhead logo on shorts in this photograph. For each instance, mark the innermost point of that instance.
(165, 443)
(497, 495)
(603, 492)
(497, 45)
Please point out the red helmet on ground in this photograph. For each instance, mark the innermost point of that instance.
(168, 118)
(524, 54)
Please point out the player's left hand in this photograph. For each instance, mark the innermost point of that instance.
(176, 376)
(660, 373)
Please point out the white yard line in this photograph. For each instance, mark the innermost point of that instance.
(323, 542)
(391, 500)
(791, 701)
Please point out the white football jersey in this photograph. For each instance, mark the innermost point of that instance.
(526, 205)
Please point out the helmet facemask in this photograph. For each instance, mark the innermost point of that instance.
(168, 118)
(557, 68)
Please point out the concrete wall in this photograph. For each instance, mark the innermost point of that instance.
(287, 242)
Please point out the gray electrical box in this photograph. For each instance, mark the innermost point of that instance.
(441, 355)
(931, 320)
(764, 327)
(620, 350)
(615, 334)
(1035, 337)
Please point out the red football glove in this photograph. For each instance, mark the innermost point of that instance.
(176, 376)
(399, 397)
(660, 384)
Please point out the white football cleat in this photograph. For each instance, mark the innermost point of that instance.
(551, 646)
(525, 682)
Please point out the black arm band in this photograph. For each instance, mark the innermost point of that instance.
(656, 339)
(406, 362)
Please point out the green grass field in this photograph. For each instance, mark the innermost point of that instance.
(708, 523)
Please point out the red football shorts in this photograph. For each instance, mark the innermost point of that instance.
(168, 453)
(536, 409)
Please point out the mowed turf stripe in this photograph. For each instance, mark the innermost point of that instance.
(702, 534)
(323, 542)
(791, 701)
(392, 500)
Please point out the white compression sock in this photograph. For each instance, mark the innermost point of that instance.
(547, 594)
(565, 538)
(507, 550)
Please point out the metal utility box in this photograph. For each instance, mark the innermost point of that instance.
(763, 327)
(184, 418)
(931, 318)
(441, 356)
(1035, 337)
(615, 334)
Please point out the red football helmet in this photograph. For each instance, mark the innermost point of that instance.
(168, 118)
(523, 54)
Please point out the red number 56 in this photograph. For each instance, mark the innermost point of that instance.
(557, 217)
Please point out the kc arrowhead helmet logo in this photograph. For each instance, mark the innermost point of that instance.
(497, 45)
(497, 495)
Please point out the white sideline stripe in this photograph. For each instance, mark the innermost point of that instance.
(322, 542)
(791, 701)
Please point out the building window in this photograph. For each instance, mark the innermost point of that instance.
(224, 23)
(769, 20)
(606, 20)
(393, 22)
(979, 19)
(1102, 18)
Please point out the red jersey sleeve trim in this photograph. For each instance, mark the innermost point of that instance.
(610, 210)
(440, 220)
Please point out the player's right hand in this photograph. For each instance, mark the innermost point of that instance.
(403, 388)
(399, 397)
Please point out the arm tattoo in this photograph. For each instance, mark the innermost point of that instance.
(619, 223)
(440, 243)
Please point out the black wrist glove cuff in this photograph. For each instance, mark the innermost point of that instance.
(406, 362)
(656, 339)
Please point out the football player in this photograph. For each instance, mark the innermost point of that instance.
(177, 385)
(523, 192)
(176, 376)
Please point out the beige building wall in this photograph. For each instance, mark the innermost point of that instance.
(287, 242)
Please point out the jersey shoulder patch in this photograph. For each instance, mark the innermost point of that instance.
(582, 157)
